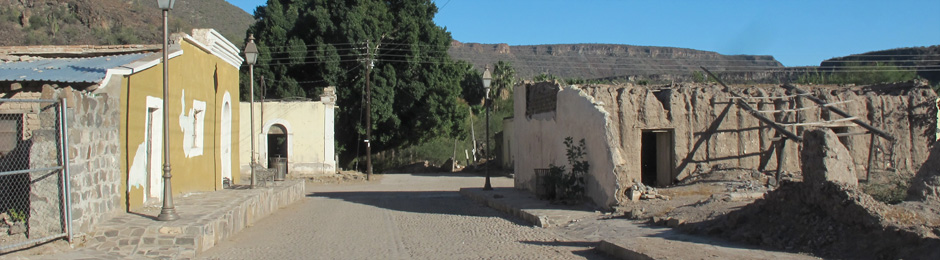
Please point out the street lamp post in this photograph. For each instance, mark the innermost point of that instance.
(251, 56)
(486, 103)
(168, 212)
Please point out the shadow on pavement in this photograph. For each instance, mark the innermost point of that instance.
(590, 253)
(428, 202)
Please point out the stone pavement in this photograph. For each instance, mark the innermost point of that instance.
(621, 238)
(398, 216)
(206, 219)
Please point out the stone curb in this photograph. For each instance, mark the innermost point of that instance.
(222, 224)
(205, 220)
(476, 194)
(621, 252)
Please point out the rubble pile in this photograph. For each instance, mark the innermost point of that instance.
(827, 215)
(828, 220)
(640, 191)
(745, 186)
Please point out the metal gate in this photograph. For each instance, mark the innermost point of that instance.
(34, 179)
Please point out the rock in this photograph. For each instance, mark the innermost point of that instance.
(17, 228)
(674, 222)
(772, 182)
(825, 159)
(634, 214)
(657, 220)
(634, 194)
(448, 165)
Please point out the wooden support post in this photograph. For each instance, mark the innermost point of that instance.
(754, 113)
(781, 158)
(769, 122)
(859, 122)
(871, 157)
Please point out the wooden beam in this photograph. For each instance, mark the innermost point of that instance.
(859, 122)
(743, 105)
(852, 134)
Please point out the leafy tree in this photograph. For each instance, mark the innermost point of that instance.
(471, 84)
(305, 45)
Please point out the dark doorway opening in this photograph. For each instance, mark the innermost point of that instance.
(277, 144)
(648, 158)
(656, 157)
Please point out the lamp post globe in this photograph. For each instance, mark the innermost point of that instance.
(166, 4)
(251, 56)
(487, 78)
(168, 212)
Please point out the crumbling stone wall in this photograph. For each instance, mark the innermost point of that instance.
(710, 131)
(926, 183)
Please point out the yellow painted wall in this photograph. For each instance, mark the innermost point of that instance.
(196, 75)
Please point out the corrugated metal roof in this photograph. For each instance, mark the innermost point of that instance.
(85, 70)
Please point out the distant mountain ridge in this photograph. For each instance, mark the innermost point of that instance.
(100, 22)
(924, 60)
(594, 61)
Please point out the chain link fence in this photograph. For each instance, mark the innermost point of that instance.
(34, 192)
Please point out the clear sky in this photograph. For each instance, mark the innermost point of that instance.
(796, 32)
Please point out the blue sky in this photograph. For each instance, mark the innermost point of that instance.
(796, 33)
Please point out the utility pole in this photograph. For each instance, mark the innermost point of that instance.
(262, 118)
(473, 134)
(368, 113)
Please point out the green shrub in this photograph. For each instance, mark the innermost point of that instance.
(892, 191)
(563, 185)
(16, 215)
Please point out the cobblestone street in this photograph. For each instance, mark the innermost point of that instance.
(401, 216)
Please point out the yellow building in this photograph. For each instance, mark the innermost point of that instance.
(111, 99)
(203, 121)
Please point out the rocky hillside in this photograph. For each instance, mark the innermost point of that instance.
(593, 61)
(59, 22)
(924, 60)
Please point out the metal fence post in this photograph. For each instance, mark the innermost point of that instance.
(66, 185)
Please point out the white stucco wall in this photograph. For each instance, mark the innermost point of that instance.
(538, 142)
(310, 144)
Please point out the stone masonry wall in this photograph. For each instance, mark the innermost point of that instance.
(94, 154)
(709, 131)
(93, 122)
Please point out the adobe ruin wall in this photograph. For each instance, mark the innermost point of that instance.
(709, 131)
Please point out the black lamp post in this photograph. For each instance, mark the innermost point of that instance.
(251, 56)
(168, 212)
(486, 103)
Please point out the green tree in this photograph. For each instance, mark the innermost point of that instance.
(305, 45)
(471, 84)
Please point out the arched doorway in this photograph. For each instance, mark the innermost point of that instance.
(277, 143)
(226, 140)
